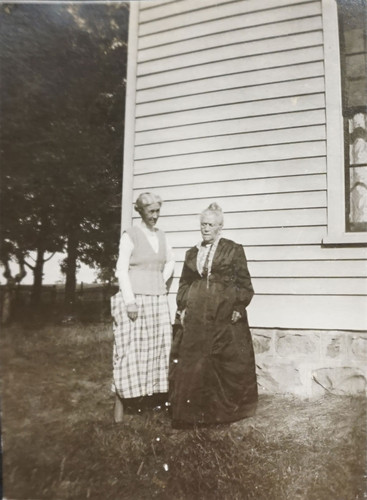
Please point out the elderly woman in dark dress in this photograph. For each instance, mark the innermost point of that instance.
(212, 368)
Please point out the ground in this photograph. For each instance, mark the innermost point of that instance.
(60, 441)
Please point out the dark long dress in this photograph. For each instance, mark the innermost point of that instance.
(212, 375)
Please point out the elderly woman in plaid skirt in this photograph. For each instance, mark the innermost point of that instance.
(142, 325)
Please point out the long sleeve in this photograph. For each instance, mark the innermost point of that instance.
(122, 268)
(170, 263)
(242, 280)
(187, 277)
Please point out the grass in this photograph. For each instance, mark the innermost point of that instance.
(60, 441)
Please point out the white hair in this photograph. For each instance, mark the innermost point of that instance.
(145, 199)
(215, 209)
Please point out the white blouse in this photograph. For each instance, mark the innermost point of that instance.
(123, 262)
(206, 253)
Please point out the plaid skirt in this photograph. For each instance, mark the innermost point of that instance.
(142, 347)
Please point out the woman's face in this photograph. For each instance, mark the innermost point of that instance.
(210, 227)
(150, 214)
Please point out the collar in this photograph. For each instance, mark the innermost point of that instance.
(146, 228)
(215, 243)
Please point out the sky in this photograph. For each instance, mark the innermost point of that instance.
(52, 273)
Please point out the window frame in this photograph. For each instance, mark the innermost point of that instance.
(335, 160)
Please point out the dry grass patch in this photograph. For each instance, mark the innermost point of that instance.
(60, 441)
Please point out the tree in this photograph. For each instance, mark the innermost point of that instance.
(63, 103)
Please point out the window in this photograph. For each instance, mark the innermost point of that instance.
(352, 40)
(346, 116)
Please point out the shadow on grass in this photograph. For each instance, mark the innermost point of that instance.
(60, 441)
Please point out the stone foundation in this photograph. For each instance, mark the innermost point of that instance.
(310, 363)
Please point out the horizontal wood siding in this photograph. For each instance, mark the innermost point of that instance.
(271, 185)
(230, 107)
(165, 35)
(228, 53)
(305, 286)
(231, 141)
(257, 236)
(150, 24)
(261, 201)
(228, 38)
(265, 108)
(255, 219)
(284, 151)
(301, 269)
(294, 253)
(233, 66)
(239, 171)
(235, 80)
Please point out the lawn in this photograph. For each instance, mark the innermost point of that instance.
(60, 441)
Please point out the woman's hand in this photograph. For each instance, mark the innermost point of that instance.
(235, 317)
(132, 311)
(181, 316)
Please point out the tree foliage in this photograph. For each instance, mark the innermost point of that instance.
(62, 91)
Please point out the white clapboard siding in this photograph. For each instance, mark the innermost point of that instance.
(254, 125)
(252, 154)
(153, 4)
(158, 9)
(304, 269)
(233, 81)
(314, 312)
(214, 114)
(317, 312)
(291, 253)
(241, 171)
(303, 286)
(239, 21)
(299, 269)
(301, 252)
(200, 12)
(281, 201)
(240, 94)
(230, 38)
(273, 218)
(311, 286)
(232, 66)
(231, 52)
(229, 106)
(231, 141)
(258, 236)
(247, 187)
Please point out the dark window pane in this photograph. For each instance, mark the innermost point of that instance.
(353, 52)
